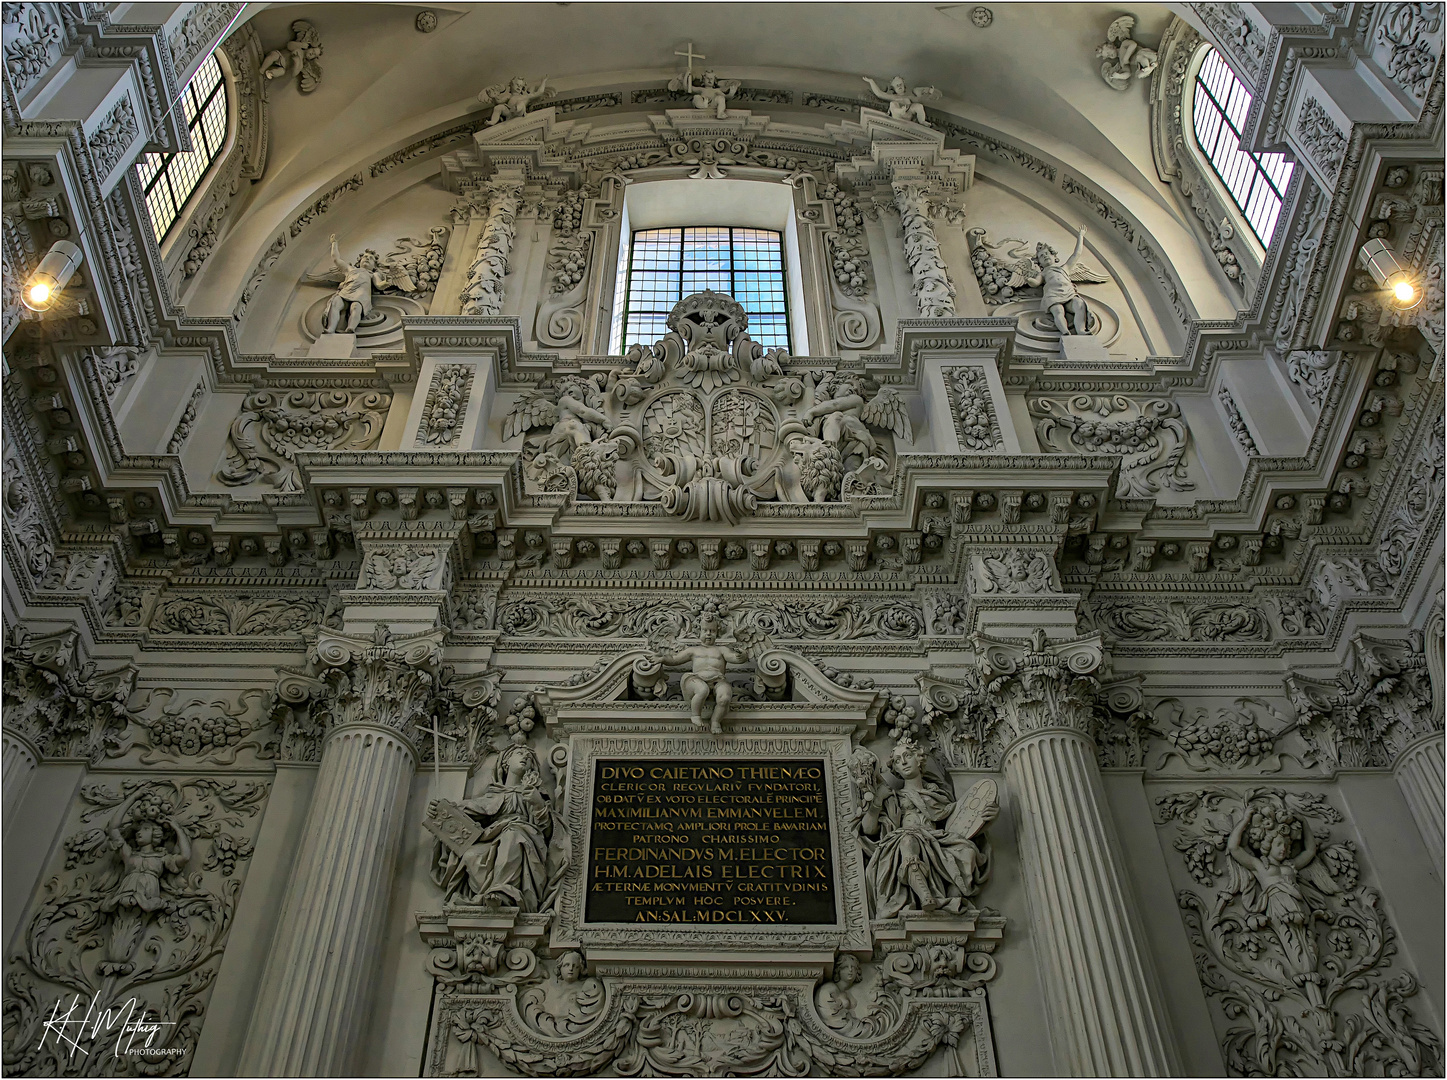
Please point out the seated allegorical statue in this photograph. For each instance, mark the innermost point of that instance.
(493, 848)
(928, 851)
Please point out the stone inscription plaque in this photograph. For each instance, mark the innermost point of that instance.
(709, 841)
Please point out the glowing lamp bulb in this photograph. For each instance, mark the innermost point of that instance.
(1404, 292)
(39, 293)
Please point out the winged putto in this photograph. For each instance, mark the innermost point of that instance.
(1012, 273)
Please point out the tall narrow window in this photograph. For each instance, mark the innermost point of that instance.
(665, 265)
(169, 179)
(1256, 182)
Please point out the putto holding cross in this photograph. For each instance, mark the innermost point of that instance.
(710, 93)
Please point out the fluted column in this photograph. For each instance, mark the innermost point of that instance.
(1103, 1000)
(17, 765)
(315, 993)
(1421, 772)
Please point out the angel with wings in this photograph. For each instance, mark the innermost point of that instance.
(1058, 280)
(929, 852)
(903, 101)
(1122, 58)
(511, 99)
(573, 418)
(844, 414)
(352, 302)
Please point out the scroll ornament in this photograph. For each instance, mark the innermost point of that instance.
(272, 428)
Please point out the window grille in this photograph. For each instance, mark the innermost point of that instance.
(665, 265)
(1257, 183)
(169, 179)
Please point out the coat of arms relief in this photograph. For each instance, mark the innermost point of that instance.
(709, 423)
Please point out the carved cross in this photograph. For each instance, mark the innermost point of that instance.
(436, 733)
(692, 56)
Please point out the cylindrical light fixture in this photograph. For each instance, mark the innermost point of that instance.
(54, 271)
(1379, 261)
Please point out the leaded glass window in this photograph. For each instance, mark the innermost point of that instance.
(1257, 183)
(169, 179)
(665, 265)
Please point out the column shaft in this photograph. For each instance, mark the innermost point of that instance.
(1421, 772)
(17, 766)
(1104, 1004)
(313, 996)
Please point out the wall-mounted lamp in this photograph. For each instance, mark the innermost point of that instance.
(43, 287)
(1379, 261)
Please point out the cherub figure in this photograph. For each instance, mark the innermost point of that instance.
(902, 100)
(566, 1004)
(708, 673)
(352, 302)
(710, 93)
(1057, 280)
(297, 57)
(511, 99)
(573, 420)
(1122, 58)
(844, 415)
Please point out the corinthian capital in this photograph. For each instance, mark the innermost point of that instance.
(1036, 683)
(386, 680)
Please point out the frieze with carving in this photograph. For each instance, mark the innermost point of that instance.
(1294, 951)
(707, 423)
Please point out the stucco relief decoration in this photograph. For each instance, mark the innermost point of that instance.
(1324, 141)
(1018, 274)
(1134, 620)
(200, 27)
(934, 292)
(1122, 58)
(1294, 951)
(1148, 435)
(560, 315)
(298, 58)
(707, 422)
(373, 291)
(1380, 703)
(1237, 34)
(24, 518)
(1421, 494)
(1015, 573)
(115, 365)
(273, 427)
(709, 93)
(1313, 371)
(1412, 36)
(405, 568)
(904, 102)
(113, 136)
(976, 424)
(512, 98)
(139, 909)
(494, 849)
(33, 36)
(1241, 735)
(445, 409)
(500, 202)
(62, 707)
(856, 318)
(925, 850)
